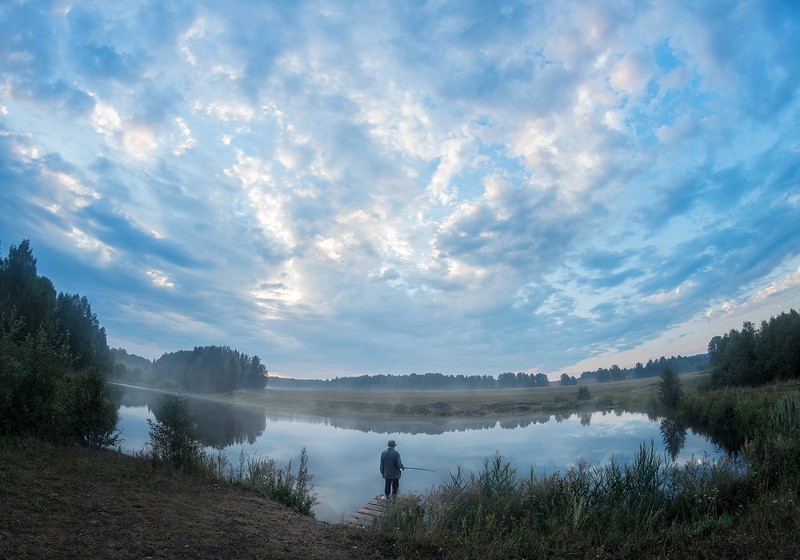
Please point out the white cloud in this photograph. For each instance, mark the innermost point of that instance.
(139, 141)
(187, 142)
(106, 119)
(160, 279)
(102, 253)
(436, 182)
(632, 73)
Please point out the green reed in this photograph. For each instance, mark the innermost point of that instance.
(624, 508)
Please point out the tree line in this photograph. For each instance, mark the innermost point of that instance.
(204, 369)
(757, 355)
(55, 362)
(507, 380)
(53, 359)
(653, 368)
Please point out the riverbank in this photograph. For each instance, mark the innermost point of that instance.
(631, 395)
(66, 502)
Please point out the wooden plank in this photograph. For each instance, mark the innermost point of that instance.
(368, 514)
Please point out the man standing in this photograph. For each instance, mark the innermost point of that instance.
(391, 465)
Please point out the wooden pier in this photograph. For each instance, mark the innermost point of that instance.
(367, 515)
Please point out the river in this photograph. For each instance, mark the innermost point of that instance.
(344, 452)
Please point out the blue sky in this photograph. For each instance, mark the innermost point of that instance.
(392, 187)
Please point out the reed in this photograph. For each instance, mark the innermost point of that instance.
(173, 444)
(614, 509)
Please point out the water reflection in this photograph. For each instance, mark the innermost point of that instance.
(219, 425)
(344, 452)
(673, 431)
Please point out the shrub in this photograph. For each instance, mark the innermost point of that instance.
(172, 436)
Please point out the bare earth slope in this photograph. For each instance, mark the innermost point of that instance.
(60, 502)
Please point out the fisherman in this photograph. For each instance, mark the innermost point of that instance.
(391, 465)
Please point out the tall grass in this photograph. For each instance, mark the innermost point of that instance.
(586, 511)
(263, 475)
(745, 505)
(173, 444)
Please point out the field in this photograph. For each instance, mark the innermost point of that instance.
(634, 395)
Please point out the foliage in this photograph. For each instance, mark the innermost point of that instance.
(670, 392)
(173, 444)
(94, 412)
(267, 477)
(85, 336)
(653, 368)
(754, 356)
(774, 451)
(41, 396)
(615, 510)
(32, 392)
(53, 356)
(25, 294)
(567, 380)
(521, 379)
(205, 369)
(583, 393)
(172, 435)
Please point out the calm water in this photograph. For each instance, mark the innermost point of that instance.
(344, 453)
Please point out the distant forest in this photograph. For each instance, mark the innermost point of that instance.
(205, 369)
(679, 364)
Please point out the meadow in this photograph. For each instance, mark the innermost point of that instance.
(631, 395)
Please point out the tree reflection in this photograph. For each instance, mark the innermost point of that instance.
(673, 431)
(586, 418)
(219, 424)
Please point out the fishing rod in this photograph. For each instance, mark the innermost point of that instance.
(419, 469)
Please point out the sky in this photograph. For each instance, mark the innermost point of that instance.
(467, 187)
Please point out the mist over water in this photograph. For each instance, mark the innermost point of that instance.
(344, 452)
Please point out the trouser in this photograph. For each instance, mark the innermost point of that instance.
(392, 485)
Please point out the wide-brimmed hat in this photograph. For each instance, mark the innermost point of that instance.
(391, 443)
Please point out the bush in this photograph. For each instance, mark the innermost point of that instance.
(33, 385)
(94, 414)
(172, 436)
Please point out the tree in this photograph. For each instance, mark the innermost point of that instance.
(670, 392)
(79, 326)
(24, 292)
(94, 414)
(172, 435)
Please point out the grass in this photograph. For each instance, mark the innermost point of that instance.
(633, 395)
(68, 502)
(649, 508)
(743, 507)
(173, 445)
(645, 509)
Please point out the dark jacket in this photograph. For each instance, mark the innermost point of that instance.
(391, 465)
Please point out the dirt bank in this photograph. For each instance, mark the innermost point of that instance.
(74, 503)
